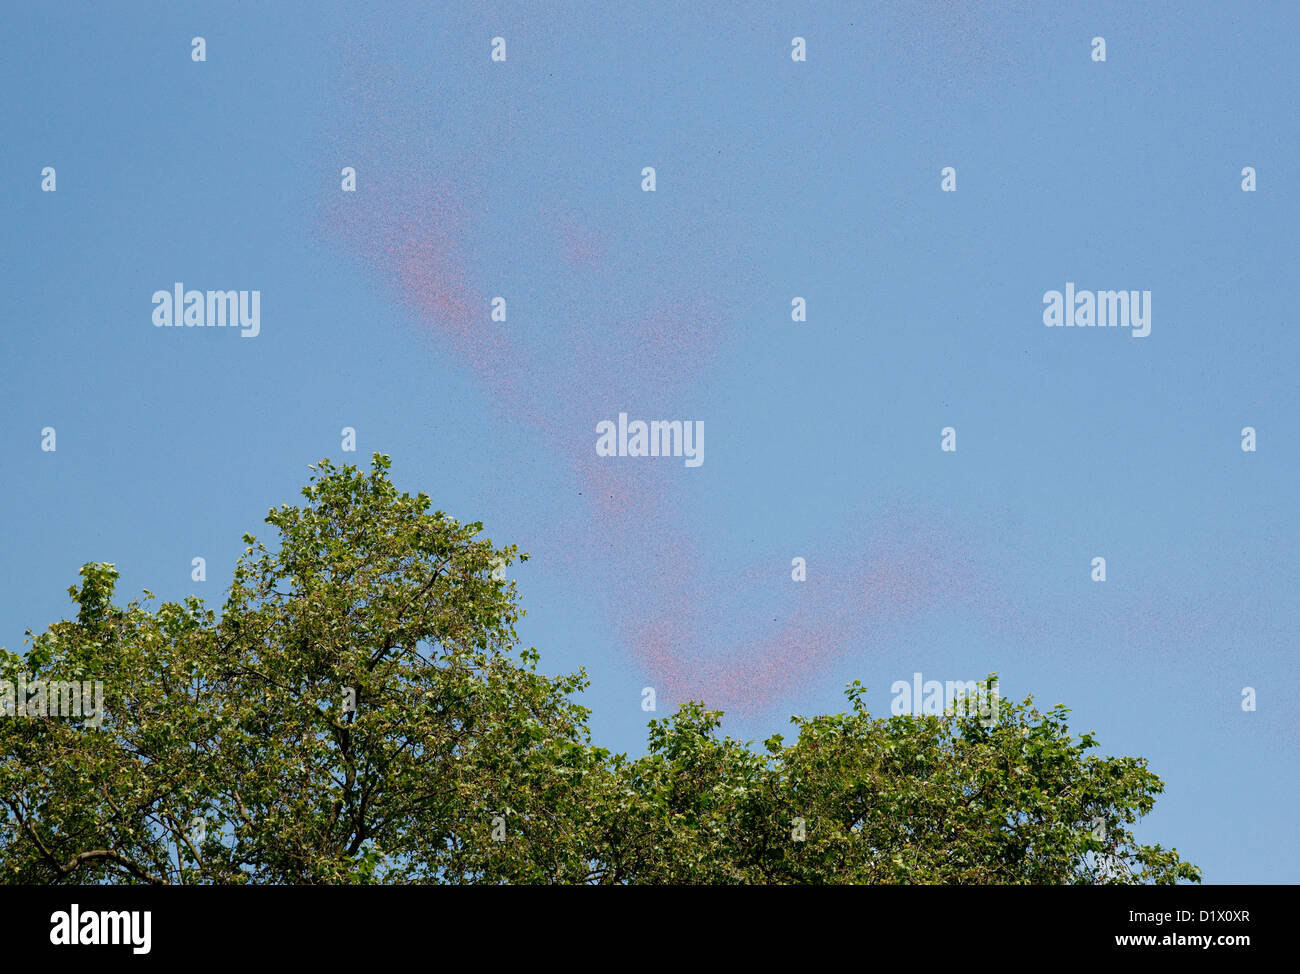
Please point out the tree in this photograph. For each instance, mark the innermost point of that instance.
(360, 712)
(352, 715)
(952, 799)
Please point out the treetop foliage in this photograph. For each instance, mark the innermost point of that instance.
(360, 712)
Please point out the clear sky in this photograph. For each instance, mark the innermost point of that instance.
(775, 179)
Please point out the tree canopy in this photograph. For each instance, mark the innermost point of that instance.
(360, 711)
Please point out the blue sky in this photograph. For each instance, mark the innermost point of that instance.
(775, 179)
